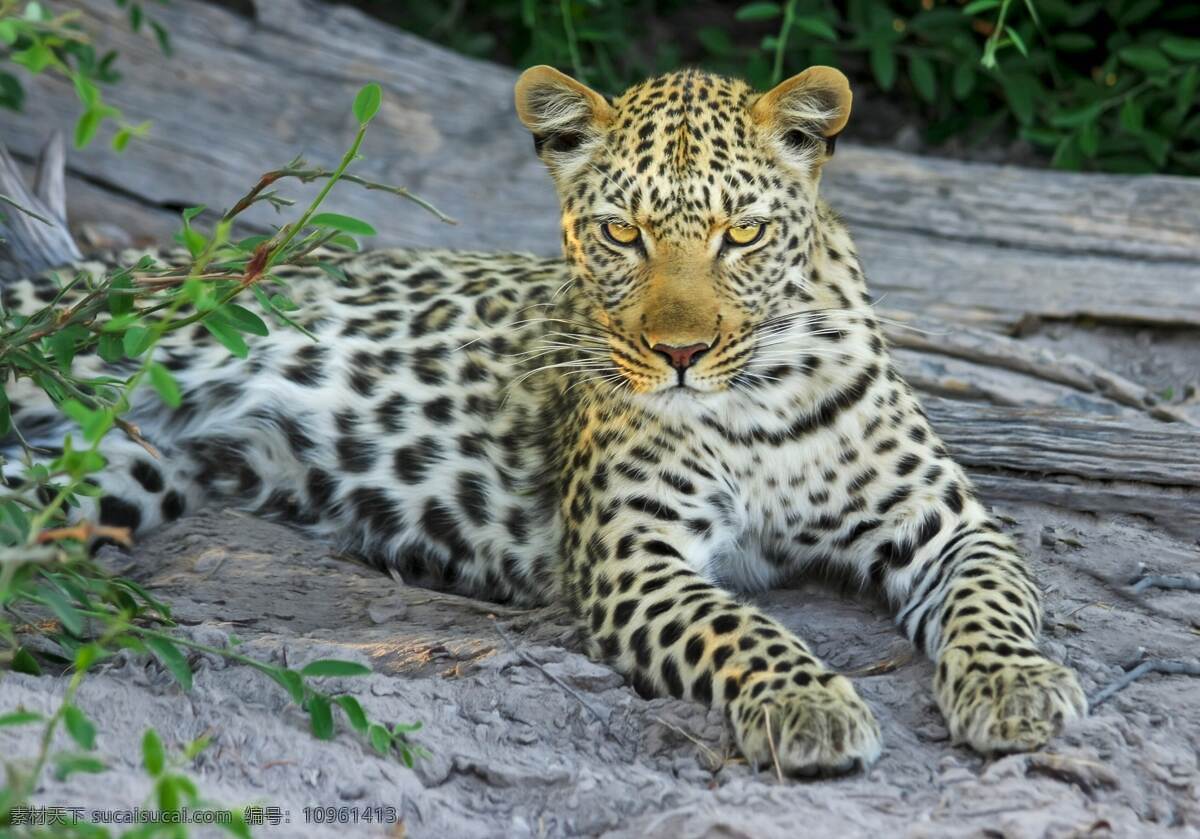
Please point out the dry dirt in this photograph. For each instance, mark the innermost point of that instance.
(527, 737)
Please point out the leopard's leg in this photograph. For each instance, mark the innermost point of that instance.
(966, 597)
(635, 576)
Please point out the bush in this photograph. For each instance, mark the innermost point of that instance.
(1107, 84)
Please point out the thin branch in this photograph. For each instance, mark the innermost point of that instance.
(1164, 666)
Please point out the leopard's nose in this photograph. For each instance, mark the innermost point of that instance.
(681, 358)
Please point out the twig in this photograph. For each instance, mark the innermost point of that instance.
(1171, 581)
(309, 175)
(881, 667)
(10, 202)
(135, 434)
(83, 531)
(524, 656)
(712, 756)
(771, 743)
(1164, 666)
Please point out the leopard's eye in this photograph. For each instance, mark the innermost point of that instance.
(746, 234)
(621, 234)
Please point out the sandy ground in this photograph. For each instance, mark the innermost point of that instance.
(527, 737)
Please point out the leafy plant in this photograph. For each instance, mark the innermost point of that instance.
(40, 40)
(57, 607)
(1095, 84)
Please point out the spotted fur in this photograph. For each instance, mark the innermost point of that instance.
(533, 429)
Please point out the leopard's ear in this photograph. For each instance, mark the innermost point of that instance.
(806, 112)
(564, 116)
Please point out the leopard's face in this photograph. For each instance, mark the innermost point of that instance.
(688, 204)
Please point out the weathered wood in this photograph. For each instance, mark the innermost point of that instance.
(33, 233)
(1153, 217)
(241, 96)
(1043, 377)
(1086, 463)
(1001, 286)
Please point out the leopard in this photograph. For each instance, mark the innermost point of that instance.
(694, 403)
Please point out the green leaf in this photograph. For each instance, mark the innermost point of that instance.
(164, 383)
(87, 125)
(136, 341)
(1077, 116)
(5, 413)
(1157, 148)
(354, 712)
(243, 319)
(980, 6)
(920, 72)
(1185, 49)
(19, 718)
(67, 614)
(346, 224)
(162, 36)
(35, 58)
(816, 26)
(65, 765)
(1136, 12)
(1074, 42)
(715, 39)
(120, 304)
(283, 303)
(80, 728)
(963, 81)
(24, 662)
(1185, 93)
(1067, 155)
(154, 758)
(1133, 116)
(334, 667)
(167, 792)
(120, 140)
(87, 92)
(380, 738)
(883, 64)
(196, 746)
(757, 11)
(291, 682)
(366, 103)
(322, 717)
(110, 348)
(1145, 58)
(234, 823)
(62, 347)
(8, 32)
(346, 242)
(1021, 91)
(173, 660)
(1089, 139)
(1018, 41)
(227, 335)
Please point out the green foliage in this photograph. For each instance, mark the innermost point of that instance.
(1097, 84)
(38, 39)
(58, 609)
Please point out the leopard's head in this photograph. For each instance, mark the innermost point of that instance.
(688, 206)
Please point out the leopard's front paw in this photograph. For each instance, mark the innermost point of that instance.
(819, 728)
(1000, 704)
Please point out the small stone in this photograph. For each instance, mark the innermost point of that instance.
(352, 793)
(386, 611)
